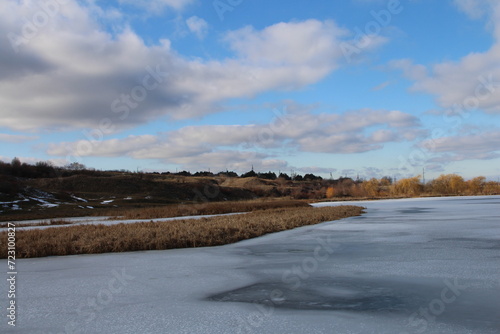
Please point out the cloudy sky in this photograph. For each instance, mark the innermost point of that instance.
(368, 87)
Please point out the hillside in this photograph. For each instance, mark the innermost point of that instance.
(87, 194)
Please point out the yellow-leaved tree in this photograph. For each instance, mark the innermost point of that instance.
(476, 185)
(330, 192)
(408, 187)
(449, 184)
(371, 187)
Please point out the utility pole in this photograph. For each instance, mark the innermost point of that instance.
(423, 176)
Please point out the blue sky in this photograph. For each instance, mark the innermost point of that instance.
(359, 87)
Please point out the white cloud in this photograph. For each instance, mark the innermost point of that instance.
(236, 146)
(473, 8)
(483, 146)
(473, 82)
(310, 42)
(16, 138)
(157, 6)
(381, 86)
(351, 132)
(240, 161)
(104, 148)
(198, 26)
(74, 75)
(410, 70)
(372, 172)
(315, 170)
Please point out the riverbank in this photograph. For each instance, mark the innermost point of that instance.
(204, 232)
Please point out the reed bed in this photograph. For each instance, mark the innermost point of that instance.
(207, 208)
(213, 231)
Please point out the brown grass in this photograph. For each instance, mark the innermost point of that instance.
(92, 239)
(208, 208)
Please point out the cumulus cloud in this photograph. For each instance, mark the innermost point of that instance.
(105, 148)
(240, 161)
(471, 83)
(16, 138)
(238, 146)
(307, 43)
(300, 43)
(410, 70)
(473, 8)
(352, 132)
(198, 26)
(315, 170)
(483, 146)
(157, 6)
(370, 172)
(72, 74)
(381, 86)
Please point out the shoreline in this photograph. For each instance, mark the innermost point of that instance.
(181, 233)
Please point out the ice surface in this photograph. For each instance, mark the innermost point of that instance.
(103, 220)
(406, 266)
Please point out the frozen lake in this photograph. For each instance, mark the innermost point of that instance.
(406, 266)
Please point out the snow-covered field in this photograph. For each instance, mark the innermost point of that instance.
(406, 266)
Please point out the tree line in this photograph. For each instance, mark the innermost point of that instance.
(316, 187)
(444, 185)
(45, 169)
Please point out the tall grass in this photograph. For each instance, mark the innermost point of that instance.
(92, 239)
(208, 208)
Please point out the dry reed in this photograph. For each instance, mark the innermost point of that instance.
(92, 239)
(207, 208)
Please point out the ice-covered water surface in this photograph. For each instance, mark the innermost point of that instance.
(406, 266)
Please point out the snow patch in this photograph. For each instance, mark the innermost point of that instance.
(17, 201)
(44, 203)
(79, 198)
